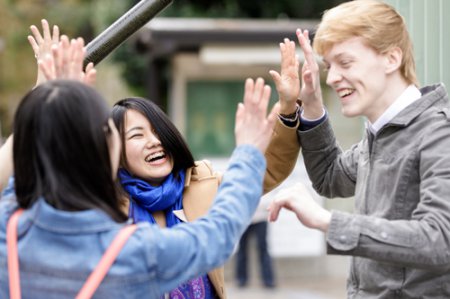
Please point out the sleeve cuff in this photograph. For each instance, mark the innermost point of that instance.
(343, 232)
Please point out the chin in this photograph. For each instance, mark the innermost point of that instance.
(349, 112)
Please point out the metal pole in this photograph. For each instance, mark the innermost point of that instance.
(123, 28)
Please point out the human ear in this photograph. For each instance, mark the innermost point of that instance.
(393, 59)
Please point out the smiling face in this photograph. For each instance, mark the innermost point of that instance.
(359, 76)
(145, 156)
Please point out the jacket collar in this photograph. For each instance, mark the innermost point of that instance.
(433, 95)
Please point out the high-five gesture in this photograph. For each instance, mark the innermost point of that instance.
(288, 82)
(253, 126)
(66, 62)
(42, 44)
(58, 58)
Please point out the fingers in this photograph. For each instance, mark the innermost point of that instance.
(288, 57)
(37, 35)
(258, 91)
(55, 37)
(248, 93)
(42, 43)
(274, 211)
(264, 99)
(90, 74)
(276, 77)
(240, 111)
(34, 45)
(305, 44)
(78, 52)
(46, 31)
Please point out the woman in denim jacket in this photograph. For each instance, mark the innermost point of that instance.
(65, 169)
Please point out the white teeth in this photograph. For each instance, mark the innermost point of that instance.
(154, 155)
(346, 92)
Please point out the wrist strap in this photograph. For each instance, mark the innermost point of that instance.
(94, 279)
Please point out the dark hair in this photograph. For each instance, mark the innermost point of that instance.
(171, 139)
(61, 151)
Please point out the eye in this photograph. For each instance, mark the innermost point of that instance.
(345, 63)
(137, 135)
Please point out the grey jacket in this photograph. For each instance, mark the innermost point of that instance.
(399, 236)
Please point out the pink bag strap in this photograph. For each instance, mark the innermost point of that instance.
(94, 279)
(13, 256)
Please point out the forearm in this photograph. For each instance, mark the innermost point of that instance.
(419, 243)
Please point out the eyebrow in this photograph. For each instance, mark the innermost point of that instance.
(337, 56)
(133, 129)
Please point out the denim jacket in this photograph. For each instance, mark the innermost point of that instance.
(400, 232)
(59, 249)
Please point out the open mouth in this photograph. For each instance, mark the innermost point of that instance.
(345, 92)
(155, 157)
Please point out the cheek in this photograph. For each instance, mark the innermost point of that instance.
(131, 150)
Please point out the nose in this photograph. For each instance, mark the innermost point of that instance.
(333, 76)
(152, 141)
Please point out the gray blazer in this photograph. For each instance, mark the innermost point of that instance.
(399, 236)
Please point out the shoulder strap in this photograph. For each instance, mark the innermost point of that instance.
(13, 256)
(108, 258)
(94, 279)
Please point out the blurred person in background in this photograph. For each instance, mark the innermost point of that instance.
(258, 229)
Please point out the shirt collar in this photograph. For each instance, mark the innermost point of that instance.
(408, 96)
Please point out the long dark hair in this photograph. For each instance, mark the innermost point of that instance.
(61, 151)
(171, 139)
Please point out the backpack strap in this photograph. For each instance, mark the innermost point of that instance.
(94, 279)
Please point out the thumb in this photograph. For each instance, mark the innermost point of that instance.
(275, 76)
(239, 115)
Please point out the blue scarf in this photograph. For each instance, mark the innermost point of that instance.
(146, 199)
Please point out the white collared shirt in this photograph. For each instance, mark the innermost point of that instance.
(408, 96)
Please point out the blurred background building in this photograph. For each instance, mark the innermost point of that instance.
(192, 60)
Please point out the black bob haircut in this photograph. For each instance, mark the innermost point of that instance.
(61, 151)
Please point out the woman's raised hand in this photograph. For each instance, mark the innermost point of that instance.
(253, 125)
(66, 62)
(58, 58)
(287, 82)
(42, 44)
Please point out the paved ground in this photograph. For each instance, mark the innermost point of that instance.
(326, 288)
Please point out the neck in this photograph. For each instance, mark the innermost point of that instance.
(395, 86)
